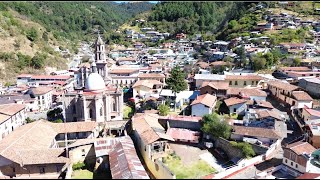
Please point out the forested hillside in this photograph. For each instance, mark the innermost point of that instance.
(195, 17)
(30, 31)
(75, 19)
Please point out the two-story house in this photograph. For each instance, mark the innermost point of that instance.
(44, 96)
(12, 116)
(290, 94)
(297, 158)
(146, 88)
(152, 142)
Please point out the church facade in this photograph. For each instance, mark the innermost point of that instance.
(95, 98)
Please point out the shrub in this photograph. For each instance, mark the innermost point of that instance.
(79, 165)
(246, 148)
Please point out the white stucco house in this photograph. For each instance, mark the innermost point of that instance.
(203, 105)
(12, 116)
(236, 105)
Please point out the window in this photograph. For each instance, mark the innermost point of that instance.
(90, 113)
(100, 111)
(236, 83)
(257, 82)
(286, 161)
(252, 83)
(230, 83)
(291, 163)
(296, 165)
(59, 167)
(234, 110)
(245, 83)
(42, 170)
(83, 152)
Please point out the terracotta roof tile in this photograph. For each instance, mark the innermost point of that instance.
(147, 75)
(301, 147)
(147, 83)
(11, 109)
(206, 99)
(234, 100)
(185, 134)
(41, 90)
(301, 96)
(124, 161)
(255, 132)
(216, 85)
(246, 92)
(148, 128)
(301, 68)
(30, 143)
(283, 85)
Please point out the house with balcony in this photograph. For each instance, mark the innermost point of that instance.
(147, 88)
(290, 94)
(247, 93)
(300, 157)
(245, 80)
(152, 142)
(43, 95)
(34, 150)
(218, 89)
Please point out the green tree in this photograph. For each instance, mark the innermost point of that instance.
(176, 82)
(242, 55)
(38, 60)
(55, 114)
(32, 34)
(246, 148)
(296, 62)
(164, 110)
(259, 63)
(216, 126)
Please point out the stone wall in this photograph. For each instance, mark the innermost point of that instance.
(226, 146)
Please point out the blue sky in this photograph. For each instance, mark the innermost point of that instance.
(129, 1)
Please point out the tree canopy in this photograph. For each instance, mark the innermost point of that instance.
(164, 109)
(216, 126)
(176, 82)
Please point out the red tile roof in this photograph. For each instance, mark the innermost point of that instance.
(185, 134)
(234, 100)
(282, 85)
(182, 118)
(216, 85)
(124, 161)
(309, 176)
(255, 132)
(301, 147)
(206, 99)
(301, 96)
(312, 112)
(301, 68)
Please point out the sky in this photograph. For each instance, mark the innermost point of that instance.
(131, 1)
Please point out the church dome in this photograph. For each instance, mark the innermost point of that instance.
(94, 82)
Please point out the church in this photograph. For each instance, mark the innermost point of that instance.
(95, 98)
